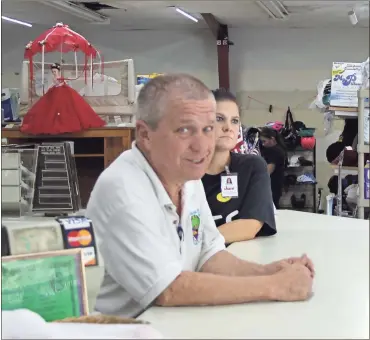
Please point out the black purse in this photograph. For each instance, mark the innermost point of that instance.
(289, 132)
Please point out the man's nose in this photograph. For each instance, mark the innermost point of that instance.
(200, 143)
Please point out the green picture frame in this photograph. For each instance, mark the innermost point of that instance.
(51, 284)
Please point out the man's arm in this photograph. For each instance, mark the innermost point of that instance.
(225, 263)
(240, 230)
(192, 288)
(292, 283)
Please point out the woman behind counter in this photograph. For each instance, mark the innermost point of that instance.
(250, 212)
(274, 153)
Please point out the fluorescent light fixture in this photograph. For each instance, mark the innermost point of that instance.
(282, 7)
(278, 9)
(15, 21)
(179, 10)
(77, 10)
(275, 9)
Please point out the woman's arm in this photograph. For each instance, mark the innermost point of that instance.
(240, 230)
(270, 168)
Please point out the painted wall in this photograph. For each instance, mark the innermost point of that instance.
(261, 60)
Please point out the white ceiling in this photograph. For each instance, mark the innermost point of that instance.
(148, 14)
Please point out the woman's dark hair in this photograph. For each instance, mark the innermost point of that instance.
(269, 133)
(224, 95)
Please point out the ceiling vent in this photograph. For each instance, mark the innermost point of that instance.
(79, 10)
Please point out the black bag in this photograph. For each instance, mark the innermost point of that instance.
(289, 133)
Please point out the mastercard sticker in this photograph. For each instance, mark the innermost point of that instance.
(79, 238)
(80, 235)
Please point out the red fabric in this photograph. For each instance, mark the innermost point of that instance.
(60, 39)
(60, 110)
(240, 144)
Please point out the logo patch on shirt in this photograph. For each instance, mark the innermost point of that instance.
(195, 224)
(222, 199)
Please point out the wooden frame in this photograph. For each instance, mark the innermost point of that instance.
(79, 282)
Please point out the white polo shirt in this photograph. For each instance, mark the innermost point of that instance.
(136, 226)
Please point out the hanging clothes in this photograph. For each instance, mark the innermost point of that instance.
(248, 141)
(251, 138)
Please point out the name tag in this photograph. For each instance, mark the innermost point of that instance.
(229, 185)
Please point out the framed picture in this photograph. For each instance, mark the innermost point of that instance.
(51, 284)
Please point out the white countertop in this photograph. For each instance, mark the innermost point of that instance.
(339, 307)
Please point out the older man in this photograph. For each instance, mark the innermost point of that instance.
(156, 233)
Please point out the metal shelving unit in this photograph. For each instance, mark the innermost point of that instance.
(309, 189)
(362, 149)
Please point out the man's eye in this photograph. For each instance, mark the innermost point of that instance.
(219, 119)
(235, 121)
(208, 129)
(183, 130)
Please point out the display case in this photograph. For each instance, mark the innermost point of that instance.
(18, 167)
(94, 150)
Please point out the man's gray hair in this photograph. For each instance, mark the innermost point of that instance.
(156, 94)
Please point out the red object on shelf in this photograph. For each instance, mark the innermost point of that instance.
(59, 38)
(60, 110)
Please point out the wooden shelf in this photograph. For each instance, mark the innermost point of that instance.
(343, 108)
(107, 131)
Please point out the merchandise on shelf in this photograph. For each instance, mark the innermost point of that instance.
(10, 105)
(60, 109)
(365, 74)
(367, 180)
(341, 89)
(322, 99)
(367, 126)
(144, 78)
(347, 79)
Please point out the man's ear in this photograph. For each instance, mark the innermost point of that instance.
(142, 132)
